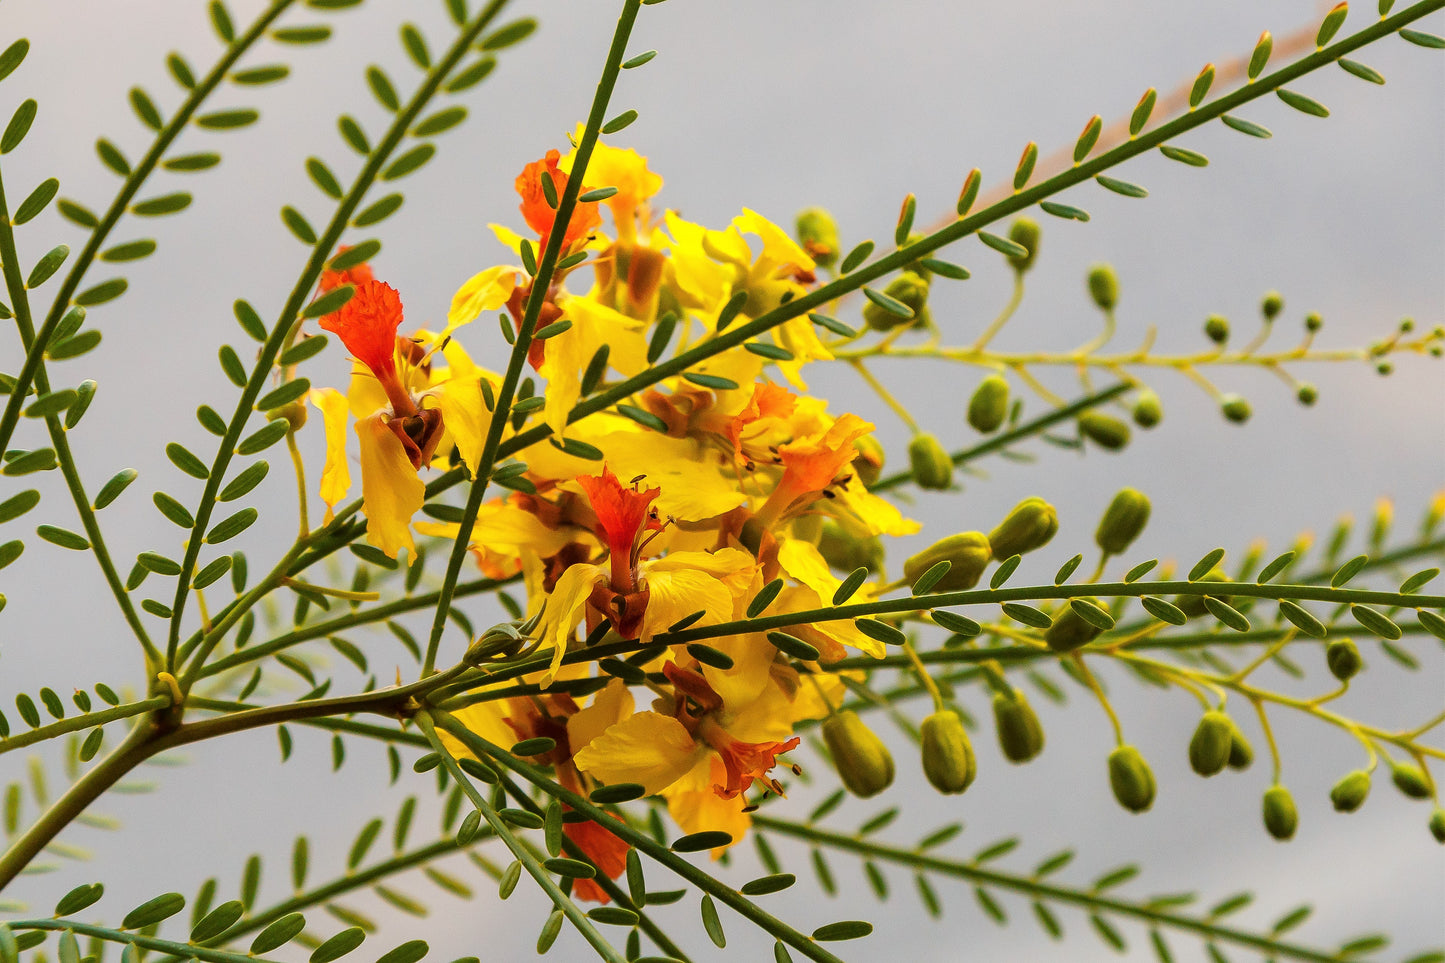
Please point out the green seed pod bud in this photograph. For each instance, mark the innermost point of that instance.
(1193, 605)
(294, 413)
(1025, 231)
(1235, 408)
(862, 760)
(1123, 520)
(1307, 394)
(818, 233)
(1280, 816)
(1216, 328)
(968, 554)
(1343, 658)
(1313, 322)
(1030, 525)
(1131, 779)
(1437, 826)
(1106, 431)
(932, 468)
(1241, 753)
(1148, 412)
(1212, 741)
(1271, 305)
(1069, 631)
(868, 463)
(911, 288)
(845, 551)
(1104, 286)
(1410, 780)
(989, 405)
(1350, 792)
(1020, 735)
(948, 759)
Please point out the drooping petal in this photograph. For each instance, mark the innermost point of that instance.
(564, 610)
(336, 475)
(485, 291)
(390, 490)
(367, 326)
(465, 417)
(650, 749)
(609, 707)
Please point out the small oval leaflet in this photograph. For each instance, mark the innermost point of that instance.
(1066, 211)
(1163, 610)
(217, 921)
(764, 885)
(880, 631)
(1092, 613)
(957, 624)
(932, 577)
(1120, 187)
(1377, 623)
(1027, 614)
(1139, 571)
(79, 898)
(338, 946)
(534, 747)
(232, 526)
(62, 537)
(36, 201)
(1005, 569)
(571, 868)
(213, 571)
(617, 793)
(793, 646)
(408, 162)
(697, 842)
(1245, 126)
(186, 462)
(154, 910)
(408, 952)
(378, 211)
(850, 585)
(843, 930)
(278, 933)
(1348, 571)
(764, 598)
(355, 254)
(856, 257)
(1067, 569)
(263, 437)
(244, 482)
(112, 489)
(707, 655)
(284, 395)
(890, 304)
(303, 350)
(1302, 619)
(1003, 245)
(1204, 565)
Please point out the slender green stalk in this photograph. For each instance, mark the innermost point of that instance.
(1038, 889)
(20, 300)
(87, 721)
(541, 289)
(181, 951)
(118, 206)
(320, 253)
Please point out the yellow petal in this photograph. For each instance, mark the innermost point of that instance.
(335, 476)
(486, 719)
(648, 748)
(752, 657)
(673, 595)
(365, 394)
(485, 291)
(696, 808)
(464, 416)
(778, 247)
(510, 239)
(564, 610)
(390, 491)
(609, 707)
(878, 515)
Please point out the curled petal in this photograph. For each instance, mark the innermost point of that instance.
(390, 491)
(650, 749)
(367, 326)
(335, 476)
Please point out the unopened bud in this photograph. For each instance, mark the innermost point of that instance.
(1216, 328)
(1123, 520)
(868, 463)
(1343, 658)
(1106, 431)
(1103, 286)
(948, 759)
(1069, 631)
(910, 288)
(294, 413)
(968, 554)
(1025, 231)
(1410, 780)
(1235, 408)
(1271, 305)
(862, 760)
(1437, 825)
(1349, 793)
(1020, 735)
(1030, 525)
(1131, 779)
(819, 234)
(1307, 394)
(932, 468)
(1280, 816)
(845, 551)
(988, 407)
(1313, 322)
(1212, 741)
(1241, 753)
(1148, 412)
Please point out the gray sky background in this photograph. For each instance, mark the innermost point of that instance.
(775, 106)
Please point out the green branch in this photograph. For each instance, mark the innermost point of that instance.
(87, 721)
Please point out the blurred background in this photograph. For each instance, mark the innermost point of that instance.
(848, 105)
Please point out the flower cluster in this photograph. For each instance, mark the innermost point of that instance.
(729, 482)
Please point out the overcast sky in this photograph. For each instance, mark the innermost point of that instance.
(775, 106)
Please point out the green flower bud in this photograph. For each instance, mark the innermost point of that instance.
(1131, 779)
(932, 468)
(1209, 748)
(1106, 431)
(845, 551)
(1030, 525)
(1148, 412)
(1123, 520)
(294, 413)
(1193, 605)
(862, 760)
(868, 463)
(988, 407)
(1349, 793)
(1103, 286)
(1235, 408)
(1069, 631)
(1343, 658)
(1241, 753)
(968, 553)
(911, 288)
(1437, 825)
(1307, 394)
(1271, 305)
(1280, 816)
(1313, 322)
(818, 233)
(1216, 328)
(1410, 780)
(1020, 735)
(948, 759)
(1025, 231)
